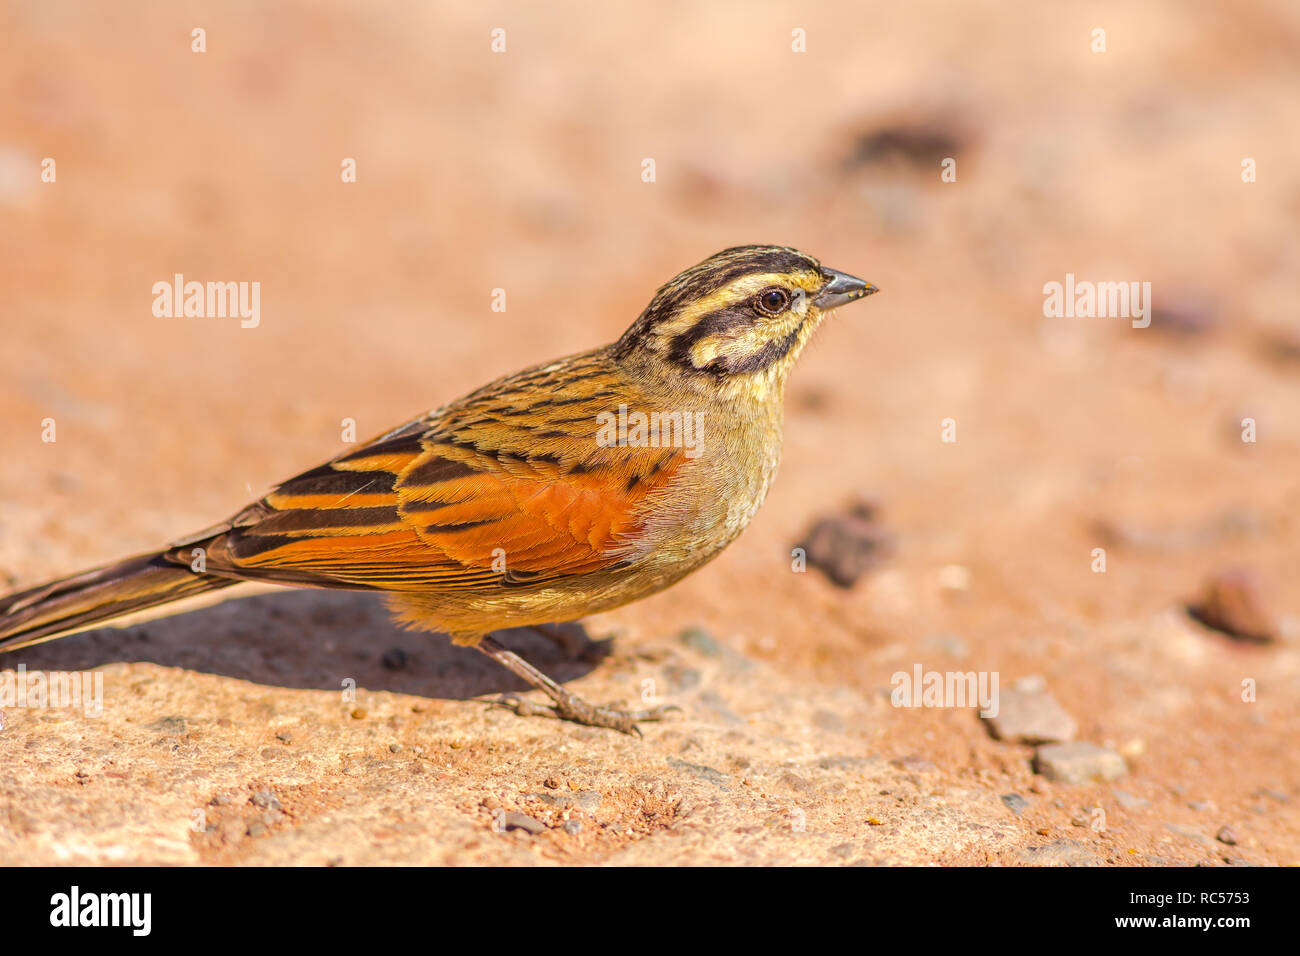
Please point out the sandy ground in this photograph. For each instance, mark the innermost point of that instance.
(226, 736)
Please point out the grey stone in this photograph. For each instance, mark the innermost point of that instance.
(701, 641)
(1030, 718)
(1015, 803)
(1128, 801)
(846, 546)
(1190, 833)
(266, 800)
(521, 821)
(1079, 763)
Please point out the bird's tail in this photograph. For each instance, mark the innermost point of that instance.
(80, 602)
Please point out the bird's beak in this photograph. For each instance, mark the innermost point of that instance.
(841, 289)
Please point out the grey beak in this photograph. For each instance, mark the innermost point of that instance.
(841, 289)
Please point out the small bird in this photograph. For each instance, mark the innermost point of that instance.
(569, 488)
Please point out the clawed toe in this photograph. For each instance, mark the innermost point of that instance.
(624, 721)
(565, 705)
(578, 711)
(522, 706)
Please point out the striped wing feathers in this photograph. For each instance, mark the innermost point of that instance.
(486, 494)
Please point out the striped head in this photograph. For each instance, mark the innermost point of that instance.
(741, 316)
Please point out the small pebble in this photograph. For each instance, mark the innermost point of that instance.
(1078, 763)
(1015, 803)
(1128, 801)
(1226, 835)
(1232, 602)
(1030, 718)
(701, 641)
(515, 820)
(846, 546)
(1191, 833)
(265, 799)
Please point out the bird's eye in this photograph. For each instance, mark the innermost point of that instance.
(772, 301)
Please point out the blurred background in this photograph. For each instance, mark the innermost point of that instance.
(522, 170)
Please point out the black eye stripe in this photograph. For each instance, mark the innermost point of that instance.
(767, 356)
(715, 323)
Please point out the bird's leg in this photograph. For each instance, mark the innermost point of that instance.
(574, 646)
(567, 706)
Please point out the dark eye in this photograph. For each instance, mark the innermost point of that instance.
(772, 301)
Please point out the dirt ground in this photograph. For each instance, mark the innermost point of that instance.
(228, 735)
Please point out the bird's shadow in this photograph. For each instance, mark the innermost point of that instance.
(313, 640)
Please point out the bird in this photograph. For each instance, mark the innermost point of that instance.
(571, 487)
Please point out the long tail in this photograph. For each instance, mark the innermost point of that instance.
(80, 602)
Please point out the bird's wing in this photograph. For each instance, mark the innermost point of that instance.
(488, 494)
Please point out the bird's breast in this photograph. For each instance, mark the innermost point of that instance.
(715, 493)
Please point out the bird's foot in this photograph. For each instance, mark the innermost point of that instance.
(573, 708)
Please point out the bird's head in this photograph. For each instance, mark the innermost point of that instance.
(740, 318)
